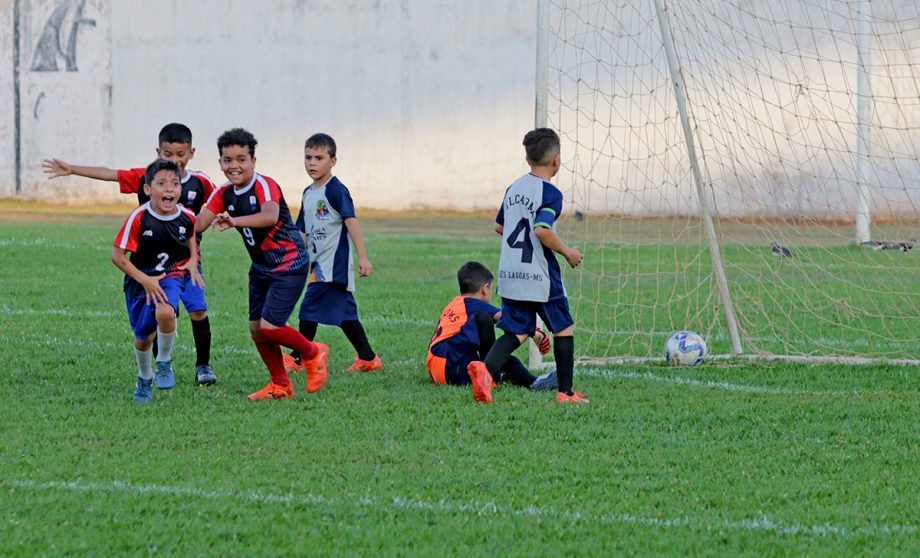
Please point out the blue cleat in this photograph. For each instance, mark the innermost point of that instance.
(204, 376)
(545, 382)
(144, 390)
(164, 378)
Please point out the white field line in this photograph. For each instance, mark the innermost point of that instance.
(126, 344)
(804, 359)
(682, 381)
(404, 321)
(470, 508)
(5, 309)
(46, 243)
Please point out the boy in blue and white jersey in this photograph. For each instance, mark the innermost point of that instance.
(328, 223)
(529, 278)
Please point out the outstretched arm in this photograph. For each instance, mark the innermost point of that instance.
(56, 167)
(354, 229)
(551, 240)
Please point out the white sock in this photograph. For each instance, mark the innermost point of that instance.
(164, 345)
(144, 364)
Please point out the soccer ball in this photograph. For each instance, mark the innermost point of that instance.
(685, 347)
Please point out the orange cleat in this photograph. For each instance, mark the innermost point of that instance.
(481, 380)
(291, 364)
(316, 368)
(273, 391)
(576, 397)
(372, 365)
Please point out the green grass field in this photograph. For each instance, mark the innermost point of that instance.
(726, 458)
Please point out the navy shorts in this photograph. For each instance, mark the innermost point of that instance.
(143, 316)
(450, 370)
(519, 317)
(193, 296)
(273, 296)
(329, 304)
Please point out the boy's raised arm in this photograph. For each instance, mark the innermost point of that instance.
(56, 167)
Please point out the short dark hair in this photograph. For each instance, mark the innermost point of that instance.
(157, 166)
(237, 136)
(472, 276)
(541, 146)
(318, 141)
(176, 133)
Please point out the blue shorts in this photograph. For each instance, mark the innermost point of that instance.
(143, 316)
(273, 296)
(193, 296)
(519, 317)
(329, 304)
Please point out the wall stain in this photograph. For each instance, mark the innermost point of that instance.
(51, 46)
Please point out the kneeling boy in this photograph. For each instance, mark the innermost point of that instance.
(160, 235)
(466, 332)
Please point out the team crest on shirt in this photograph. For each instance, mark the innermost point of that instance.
(231, 207)
(252, 200)
(192, 194)
(182, 234)
(322, 210)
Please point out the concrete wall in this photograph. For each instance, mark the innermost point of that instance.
(428, 99)
(7, 134)
(65, 93)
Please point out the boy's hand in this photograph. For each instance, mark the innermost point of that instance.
(574, 257)
(192, 268)
(223, 222)
(364, 267)
(151, 284)
(542, 340)
(56, 168)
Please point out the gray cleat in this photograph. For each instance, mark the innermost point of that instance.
(545, 382)
(164, 378)
(204, 375)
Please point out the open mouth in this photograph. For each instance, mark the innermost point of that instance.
(168, 199)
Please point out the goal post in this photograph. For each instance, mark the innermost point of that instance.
(717, 158)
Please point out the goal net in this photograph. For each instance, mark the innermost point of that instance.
(805, 117)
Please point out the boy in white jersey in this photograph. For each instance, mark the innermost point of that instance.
(529, 278)
(329, 226)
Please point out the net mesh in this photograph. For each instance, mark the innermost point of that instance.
(772, 97)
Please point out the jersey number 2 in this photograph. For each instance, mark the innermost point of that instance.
(522, 230)
(164, 257)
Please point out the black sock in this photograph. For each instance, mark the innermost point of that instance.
(515, 372)
(308, 330)
(155, 348)
(201, 331)
(564, 351)
(485, 327)
(354, 331)
(500, 352)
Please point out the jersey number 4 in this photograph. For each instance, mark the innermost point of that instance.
(520, 239)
